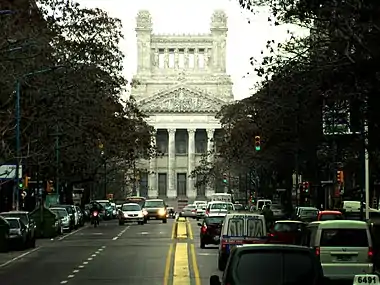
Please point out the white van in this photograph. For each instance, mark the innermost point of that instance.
(344, 247)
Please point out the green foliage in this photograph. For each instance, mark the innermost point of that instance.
(80, 96)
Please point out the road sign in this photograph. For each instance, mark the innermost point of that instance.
(9, 172)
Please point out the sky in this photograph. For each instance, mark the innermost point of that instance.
(244, 39)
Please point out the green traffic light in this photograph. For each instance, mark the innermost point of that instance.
(20, 185)
(258, 148)
(225, 180)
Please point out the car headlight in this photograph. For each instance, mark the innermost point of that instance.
(161, 212)
(141, 214)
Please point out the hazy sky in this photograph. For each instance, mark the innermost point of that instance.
(244, 39)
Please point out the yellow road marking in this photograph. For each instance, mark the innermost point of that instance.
(181, 274)
(190, 230)
(182, 230)
(195, 265)
(167, 265)
(173, 230)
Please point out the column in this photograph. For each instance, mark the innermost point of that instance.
(152, 183)
(156, 58)
(186, 55)
(171, 193)
(210, 148)
(166, 58)
(196, 59)
(191, 191)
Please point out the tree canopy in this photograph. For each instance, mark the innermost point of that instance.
(69, 65)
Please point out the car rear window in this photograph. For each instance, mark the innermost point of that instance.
(286, 227)
(214, 220)
(330, 217)
(290, 268)
(221, 206)
(344, 237)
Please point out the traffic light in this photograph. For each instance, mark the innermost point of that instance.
(20, 185)
(225, 180)
(306, 186)
(339, 177)
(257, 143)
(49, 186)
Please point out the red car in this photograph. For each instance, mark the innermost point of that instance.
(286, 232)
(329, 215)
(210, 230)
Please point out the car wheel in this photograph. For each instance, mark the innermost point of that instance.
(221, 263)
(164, 221)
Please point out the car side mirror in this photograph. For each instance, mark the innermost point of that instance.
(214, 280)
(200, 224)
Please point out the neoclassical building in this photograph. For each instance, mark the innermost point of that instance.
(182, 85)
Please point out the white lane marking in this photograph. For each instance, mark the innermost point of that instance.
(144, 233)
(19, 257)
(75, 271)
(89, 259)
(207, 254)
(70, 276)
(121, 233)
(81, 266)
(72, 233)
(85, 262)
(103, 247)
(64, 282)
(93, 255)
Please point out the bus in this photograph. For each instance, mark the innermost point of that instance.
(135, 199)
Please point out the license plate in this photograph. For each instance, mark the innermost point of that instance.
(153, 218)
(344, 258)
(366, 279)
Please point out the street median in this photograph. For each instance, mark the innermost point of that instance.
(181, 228)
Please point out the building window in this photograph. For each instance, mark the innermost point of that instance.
(181, 58)
(181, 142)
(191, 58)
(161, 58)
(201, 188)
(162, 184)
(181, 184)
(201, 141)
(162, 141)
(201, 59)
(171, 58)
(143, 184)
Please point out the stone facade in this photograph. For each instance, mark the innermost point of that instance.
(182, 84)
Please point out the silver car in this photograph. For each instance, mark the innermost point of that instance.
(64, 216)
(131, 212)
(190, 211)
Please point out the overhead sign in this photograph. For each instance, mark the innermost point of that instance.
(9, 172)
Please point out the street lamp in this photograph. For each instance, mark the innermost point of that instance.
(18, 131)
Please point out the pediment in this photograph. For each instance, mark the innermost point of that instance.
(181, 99)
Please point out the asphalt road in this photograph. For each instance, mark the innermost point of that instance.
(155, 253)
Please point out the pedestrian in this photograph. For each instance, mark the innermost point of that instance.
(268, 215)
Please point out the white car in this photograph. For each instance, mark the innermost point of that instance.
(131, 212)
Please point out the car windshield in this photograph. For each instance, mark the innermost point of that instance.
(139, 201)
(23, 217)
(286, 227)
(105, 204)
(131, 208)
(154, 204)
(309, 213)
(330, 217)
(59, 212)
(292, 268)
(221, 206)
(13, 223)
(214, 220)
(344, 238)
(201, 206)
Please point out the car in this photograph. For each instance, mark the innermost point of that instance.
(189, 211)
(29, 223)
(18, 233)
(218, 207)
(344, 247)
(201, 211)
(307, 214)
(237, 229)
(286, 232)
(71, 211)
(155, 209)
(263, 264)
(329, 215)
(131, 212)
(64, 216)
(210, 230)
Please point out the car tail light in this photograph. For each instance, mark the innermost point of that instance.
(370, 253)
(270, 235)
(194, 211)
(95, 214)
(204, 229)
(317, 251)
(223, 242)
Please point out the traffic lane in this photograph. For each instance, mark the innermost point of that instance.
(136, 257)
(207, 258)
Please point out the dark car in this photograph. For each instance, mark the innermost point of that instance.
(71, 211)
(210, 230)
(155, 209)
(18, 234)
(29, 223)
(263, 264)
(286, 232)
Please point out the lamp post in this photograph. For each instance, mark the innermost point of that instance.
(18, 125)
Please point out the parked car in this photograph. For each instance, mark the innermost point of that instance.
(80, 216)
(64, 217)
(28, 222)
(18, 233)
(71, 211)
